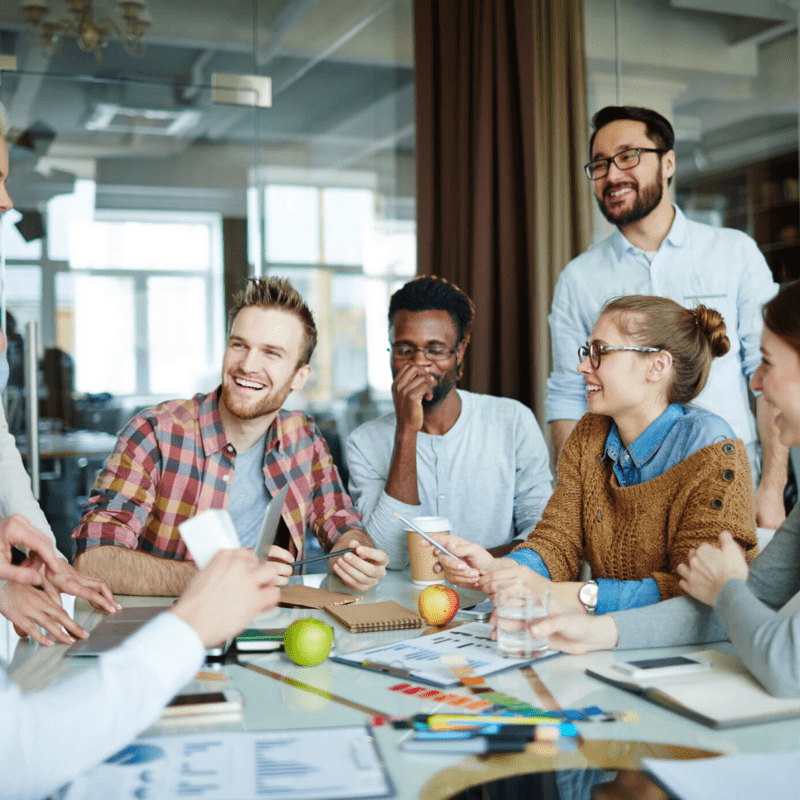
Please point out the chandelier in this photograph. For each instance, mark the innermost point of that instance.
(91, 33)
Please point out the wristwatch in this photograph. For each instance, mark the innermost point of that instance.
(587, 594)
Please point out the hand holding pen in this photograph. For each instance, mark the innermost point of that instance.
(462, 562)
(324, 557)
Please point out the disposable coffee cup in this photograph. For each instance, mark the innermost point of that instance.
(421, 554)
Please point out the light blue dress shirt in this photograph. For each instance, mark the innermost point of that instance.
(696, 263)
(676, 434)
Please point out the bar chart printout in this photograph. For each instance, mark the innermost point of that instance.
(421, 656)
(307, 764)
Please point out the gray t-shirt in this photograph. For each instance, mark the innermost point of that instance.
(247, 495)
(489, 475)
(746, 613)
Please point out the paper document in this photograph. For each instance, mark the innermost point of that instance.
(725, 696)
(774, 775)
(306, 764)
(421, 656)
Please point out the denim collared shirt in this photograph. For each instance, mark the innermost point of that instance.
(676, 434)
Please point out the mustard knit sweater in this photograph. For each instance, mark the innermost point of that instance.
(643, 531)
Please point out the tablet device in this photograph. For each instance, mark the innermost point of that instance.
(213, 530)
(269, 527)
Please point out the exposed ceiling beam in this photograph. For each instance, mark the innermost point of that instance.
(283, 24)
(369, 17)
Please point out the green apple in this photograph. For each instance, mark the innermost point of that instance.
(308, 641)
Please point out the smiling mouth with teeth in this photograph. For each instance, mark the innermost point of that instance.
(247, 384)
(618, 191)
(591, 388)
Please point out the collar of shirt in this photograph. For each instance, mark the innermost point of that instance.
(213, 434)
(678, 236)
(629, 463)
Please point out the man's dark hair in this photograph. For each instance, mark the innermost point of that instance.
(658, 127)
(431, 293)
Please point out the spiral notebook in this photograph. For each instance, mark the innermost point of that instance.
(384, 616)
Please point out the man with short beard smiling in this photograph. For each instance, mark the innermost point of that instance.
(478, 460)
(234, 448)
(656, 250)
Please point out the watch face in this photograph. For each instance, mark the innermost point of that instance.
(588, 595)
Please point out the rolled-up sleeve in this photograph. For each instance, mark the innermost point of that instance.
(124, 493)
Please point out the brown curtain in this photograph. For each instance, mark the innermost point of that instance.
(502, 201)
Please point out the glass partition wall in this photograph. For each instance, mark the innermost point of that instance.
(726, 75)
(148, 187)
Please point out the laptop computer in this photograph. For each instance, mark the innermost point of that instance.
(204, 534)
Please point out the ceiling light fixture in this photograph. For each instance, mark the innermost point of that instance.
(92, 34)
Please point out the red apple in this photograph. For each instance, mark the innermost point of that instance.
(438, 604)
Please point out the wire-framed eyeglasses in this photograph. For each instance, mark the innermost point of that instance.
(433, 352)
(627, 159)
(595, 351)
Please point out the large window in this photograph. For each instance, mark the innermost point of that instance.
(136, 304)
(339, 249)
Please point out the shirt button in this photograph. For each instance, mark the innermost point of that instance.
(728, 475)
(728, 448)
(716, 504)
(226, 478)
(441, 497)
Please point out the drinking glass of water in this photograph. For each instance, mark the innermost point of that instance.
(517, 607)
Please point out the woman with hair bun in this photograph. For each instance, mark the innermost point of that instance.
(644, 478)
(756, 607)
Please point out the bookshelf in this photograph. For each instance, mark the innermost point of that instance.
(762, 199)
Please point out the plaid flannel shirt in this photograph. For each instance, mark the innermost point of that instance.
(175, 460)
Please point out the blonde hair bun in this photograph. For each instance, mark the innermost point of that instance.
(712, 326)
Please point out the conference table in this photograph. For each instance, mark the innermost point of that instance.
(281, 695)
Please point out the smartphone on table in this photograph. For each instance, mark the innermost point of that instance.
(260, 640)
(662, 667)
(228, 701)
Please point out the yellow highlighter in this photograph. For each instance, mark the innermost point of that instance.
(447, 722)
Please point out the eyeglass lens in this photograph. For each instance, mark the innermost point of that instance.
(627, 159)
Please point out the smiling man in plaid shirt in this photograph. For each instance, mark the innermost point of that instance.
(234, 448)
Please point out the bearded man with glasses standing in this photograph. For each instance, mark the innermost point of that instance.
(656, 250)
(478, 460)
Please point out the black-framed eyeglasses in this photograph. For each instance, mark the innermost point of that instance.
(627, 159)
(433, 352)
(595, 351)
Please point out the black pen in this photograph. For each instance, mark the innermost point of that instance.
(332, 554)
(478, 745)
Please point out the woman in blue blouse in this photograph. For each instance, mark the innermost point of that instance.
(644, 478)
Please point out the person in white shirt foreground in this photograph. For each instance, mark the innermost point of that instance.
(25, 607)
(50, 737)
(727, 601)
